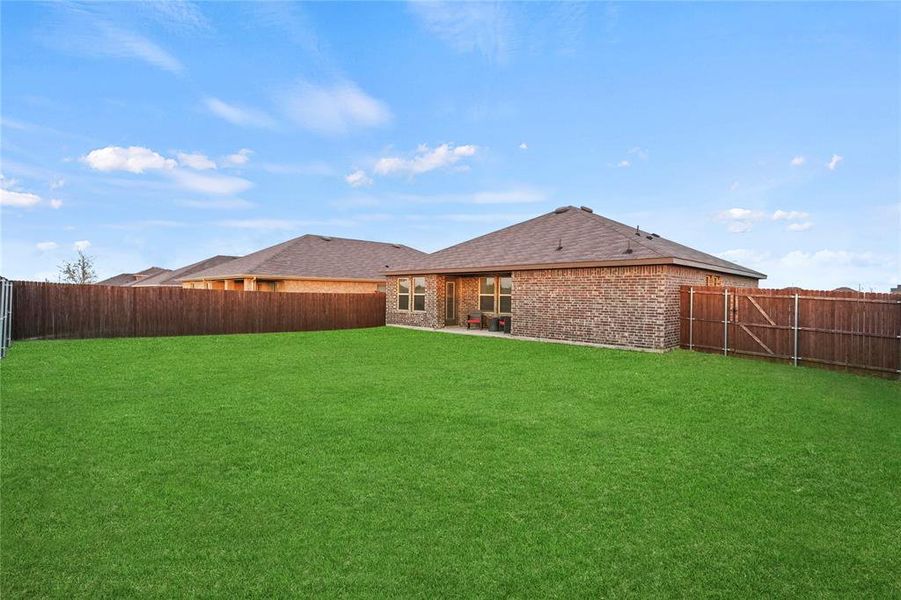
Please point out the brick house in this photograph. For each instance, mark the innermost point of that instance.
(309, 263)
(566, 275)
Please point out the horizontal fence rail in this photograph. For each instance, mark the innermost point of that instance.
(839, 330)
(54, 311)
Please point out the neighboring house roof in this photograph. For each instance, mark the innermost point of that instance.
(128, 279)
(567, 237)
(172, 278)
(315, 257)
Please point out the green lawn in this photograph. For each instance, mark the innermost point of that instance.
(390, 462)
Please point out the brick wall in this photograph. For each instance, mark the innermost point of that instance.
(634, 306)
(433, 316)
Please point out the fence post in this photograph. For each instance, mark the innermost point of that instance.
(691, 317)
(795, 353)
(725, 321)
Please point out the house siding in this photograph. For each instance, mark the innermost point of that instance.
(631, 306)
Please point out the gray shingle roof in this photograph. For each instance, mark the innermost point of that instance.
(315, 256)
(566, 236)
(128, 279)
(172, 278)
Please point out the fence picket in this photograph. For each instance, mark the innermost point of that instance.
(54, 310)
(848, 330)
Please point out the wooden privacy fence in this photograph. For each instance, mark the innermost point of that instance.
(54, 310)
(847, 330)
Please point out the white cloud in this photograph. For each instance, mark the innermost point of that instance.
(424, 160)
(798, 161)
(739, 220)
(120, 43)
(238, 115)
(641, 153)
(238, 159)
(734, 186)
(833, 162)
(18, 199)
(134, 159)
(739, 214)
(55, 203)
(332, 109)
(45, 246)
(799, 226)
(623, 164)
(195, 160)
(523, 146)
(480, 27)
(57, 183)
(789, 215)
(358, 178)
(220, 185)
(81, 245)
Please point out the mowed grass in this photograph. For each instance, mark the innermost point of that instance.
(390, 462)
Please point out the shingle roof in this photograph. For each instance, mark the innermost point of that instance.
(565, 237)
(315, 256)
(128, 279)
(171, 278)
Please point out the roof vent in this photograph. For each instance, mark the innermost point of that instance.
(325, 238)
(587, 209)
(650, 237)
(637, 230)
(561, 210)
(655, 234)
(560, 244)
(395, 245)
(628, 249)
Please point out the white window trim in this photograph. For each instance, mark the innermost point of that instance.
(492, 295)
(413, 294)
(409, 294)
(496, 296)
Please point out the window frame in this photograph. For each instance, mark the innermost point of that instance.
(500, 295)
(414, 295)
(406, 295)
(496, 295)
(492, 295)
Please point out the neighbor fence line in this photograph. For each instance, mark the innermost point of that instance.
(6, 311)
(54, 310)
(847, 330)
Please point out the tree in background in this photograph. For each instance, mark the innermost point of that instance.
(80, 270)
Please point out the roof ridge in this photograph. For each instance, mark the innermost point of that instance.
(496, 231)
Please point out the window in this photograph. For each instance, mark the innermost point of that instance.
(486, 294)
(504, 293)
(419, 293)
(403, 294)
(714, 280)
(495, 294)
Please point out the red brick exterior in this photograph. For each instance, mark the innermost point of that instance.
(635, 306)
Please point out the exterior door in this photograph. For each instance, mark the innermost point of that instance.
(450, 303)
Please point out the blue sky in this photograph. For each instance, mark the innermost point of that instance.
(162, 133)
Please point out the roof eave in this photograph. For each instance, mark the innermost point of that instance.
(580, 264)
